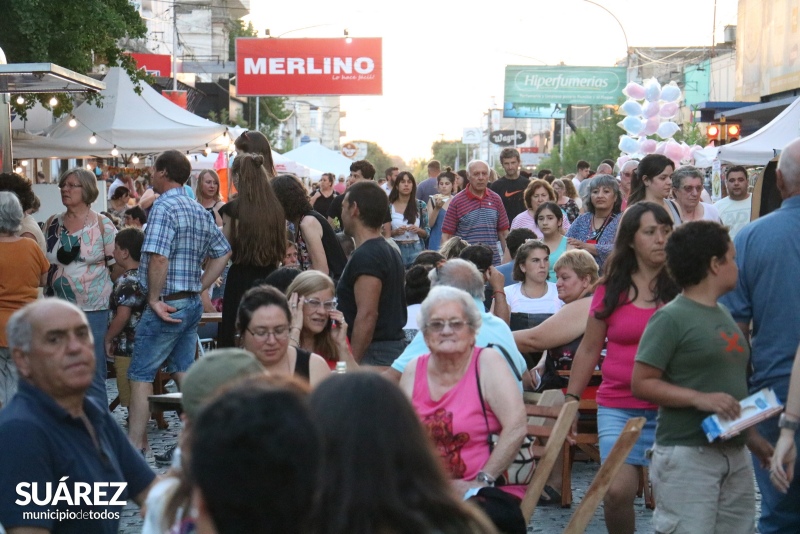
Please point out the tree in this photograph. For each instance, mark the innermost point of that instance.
(593, 145)
(379, 159)
(447, 152)
(72, 35)
(236, 28)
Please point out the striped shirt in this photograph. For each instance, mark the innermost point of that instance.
(477, 220)
(181, 230)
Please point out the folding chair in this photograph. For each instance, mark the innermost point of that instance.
(556, 437)
(602, 480)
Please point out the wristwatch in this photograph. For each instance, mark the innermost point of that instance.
(483, 478)
(784, 423)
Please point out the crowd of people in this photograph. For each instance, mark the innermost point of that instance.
(462, 290)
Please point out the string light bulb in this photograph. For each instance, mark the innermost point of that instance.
(114, 151)
(347, 38)
(135, 160)
(72, 122)
(20, 100)
(93, 138)
(24, 163)
(53, 102)
(18, 170)
(207, 150)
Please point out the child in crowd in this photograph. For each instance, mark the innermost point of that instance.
(127, 304)
(290, 259)
(692, 361)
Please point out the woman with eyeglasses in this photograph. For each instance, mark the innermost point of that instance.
(255, 227)
(317, 326)
(463, 394)
(687, 188)
(80, 249)
(264, 323)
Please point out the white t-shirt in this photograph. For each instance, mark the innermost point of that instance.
(735, 214)
(710, 213)
(398, 220)
(519, 303)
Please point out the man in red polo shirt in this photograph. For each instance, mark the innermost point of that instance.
(476, 214)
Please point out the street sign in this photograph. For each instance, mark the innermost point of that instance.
(507, 137)
(472, 136)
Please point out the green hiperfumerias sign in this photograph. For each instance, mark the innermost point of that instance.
(564, 85)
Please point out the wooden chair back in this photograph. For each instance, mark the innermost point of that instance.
(556, 437)
(602, 480)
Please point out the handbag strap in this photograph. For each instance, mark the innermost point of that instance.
(483, 404)
(507, 356)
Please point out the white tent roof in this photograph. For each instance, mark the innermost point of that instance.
(316, 156)
(142, 124)
(766, 143)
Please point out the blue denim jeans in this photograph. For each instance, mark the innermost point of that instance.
(98, 324)
(779, 512)
(158, 341)
(410, 251)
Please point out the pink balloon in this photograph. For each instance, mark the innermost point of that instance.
(634, 90)
(622, 160)
(651, 109)
(648, 146)
(686, 151)
(650, 126)
(669, 110)
(673, 151)
(660, 148)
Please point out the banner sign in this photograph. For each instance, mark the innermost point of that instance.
(514, 110)
(155, 64)
(294, 67)
(564, 85)
(507, 137)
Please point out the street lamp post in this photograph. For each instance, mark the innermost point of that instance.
(621, 27)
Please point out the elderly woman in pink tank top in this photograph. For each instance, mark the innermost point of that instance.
(446, 387)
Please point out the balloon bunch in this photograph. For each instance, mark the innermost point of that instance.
(648, 111)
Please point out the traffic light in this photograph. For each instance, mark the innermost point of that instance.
(733, 132)
(712, 133)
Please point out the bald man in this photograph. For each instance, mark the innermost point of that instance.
(767, 293)
(52, 434)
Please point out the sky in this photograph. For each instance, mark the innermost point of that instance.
(444, 61)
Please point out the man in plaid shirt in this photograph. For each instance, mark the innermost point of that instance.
(180, 235)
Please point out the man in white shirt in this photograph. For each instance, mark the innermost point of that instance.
(734, 210)
(391, 175)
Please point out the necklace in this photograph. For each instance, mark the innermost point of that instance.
(525, 294)
(594, 223)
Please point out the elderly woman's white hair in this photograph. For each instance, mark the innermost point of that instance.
(445, 294)
(10, 213)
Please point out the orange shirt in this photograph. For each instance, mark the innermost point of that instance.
(21, 265)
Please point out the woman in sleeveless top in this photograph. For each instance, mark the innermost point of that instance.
(444, 389)
(208, 193)
(264, 325)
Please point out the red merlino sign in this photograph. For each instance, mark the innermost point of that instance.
(156, 64)
(285, 67)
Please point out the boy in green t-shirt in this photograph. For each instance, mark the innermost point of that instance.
(692, 362)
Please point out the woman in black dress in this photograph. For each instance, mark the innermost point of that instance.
(254, 225)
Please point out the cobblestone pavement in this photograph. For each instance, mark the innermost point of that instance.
(546, 519)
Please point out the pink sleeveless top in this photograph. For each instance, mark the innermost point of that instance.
(455, 422)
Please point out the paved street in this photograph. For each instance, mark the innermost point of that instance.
(546, 519)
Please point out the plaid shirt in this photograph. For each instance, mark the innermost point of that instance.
(184, 232)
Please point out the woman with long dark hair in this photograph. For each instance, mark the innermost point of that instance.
(635, 285)
(409, 218)
(381, 472)
(253, 142)
(317, 245)
(438, 204)
(652, 182)
(254, 225)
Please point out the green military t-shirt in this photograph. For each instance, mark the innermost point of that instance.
(697, 347)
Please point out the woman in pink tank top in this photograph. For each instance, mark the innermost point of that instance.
(443, 387)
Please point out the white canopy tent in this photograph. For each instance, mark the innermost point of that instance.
(316, 156)
(766, 143)
(140, 124)
(283, 165)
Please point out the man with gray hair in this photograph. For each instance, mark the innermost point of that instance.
(476, 214)
(53, 435)
(463, 275)
(768, 295)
